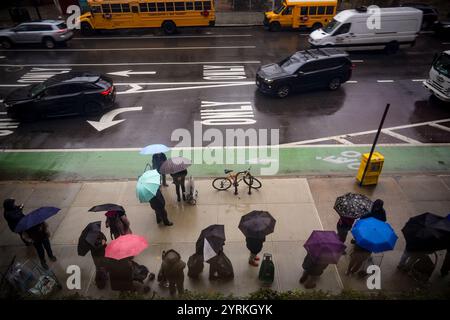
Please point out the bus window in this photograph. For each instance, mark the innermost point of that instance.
(152, 7)
(198, 5)
(320, 10)
(143, 7)
(330, 10)
(96, 9)
(169, 6)
(189, 6)
(179, 6)
(106, 8)
(312, 11)
(115, 8)
(287, 11)
(161, 6)
(304, 11)
(125, 7)
(207, 5)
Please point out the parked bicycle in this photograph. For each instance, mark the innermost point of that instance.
(233, 179)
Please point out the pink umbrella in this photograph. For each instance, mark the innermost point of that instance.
(125, 246)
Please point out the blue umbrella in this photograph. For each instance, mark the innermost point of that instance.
(154, 148)
(35, 217)
(374, 235)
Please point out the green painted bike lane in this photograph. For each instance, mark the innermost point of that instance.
(124, 164)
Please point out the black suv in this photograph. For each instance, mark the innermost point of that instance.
(309, 69)
(64, 94)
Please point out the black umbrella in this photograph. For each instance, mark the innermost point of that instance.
(107, 207)
(88, 237)
(353, 205)
(257, 224)
(174, 165)
(424, 233)
(215, 235)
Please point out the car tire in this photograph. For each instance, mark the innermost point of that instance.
(275, 26)
(92, 108)
(169, 27)
(316, 26)
(86, 29)
(334, 84)
(49, 43)
(5, 43)
(283, 91)
(392, 47)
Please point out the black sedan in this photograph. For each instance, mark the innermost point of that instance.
(64, 94)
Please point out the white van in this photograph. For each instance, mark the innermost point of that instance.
(357, 29)
(439, 81)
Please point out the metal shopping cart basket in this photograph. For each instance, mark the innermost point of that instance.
(29, 279)
(191, 193)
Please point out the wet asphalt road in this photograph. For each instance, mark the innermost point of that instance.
(173, 78)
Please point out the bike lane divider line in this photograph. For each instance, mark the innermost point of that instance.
(128, 164)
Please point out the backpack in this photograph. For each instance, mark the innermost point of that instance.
(140, 272)
(267, 269)
(221, 267)
(422, 268)
(101, 278)
(114, 225)
(195, 265)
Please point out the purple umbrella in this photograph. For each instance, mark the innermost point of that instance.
(35, 217)
(325, 246)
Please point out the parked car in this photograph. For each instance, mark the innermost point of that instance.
(308, 69)
(442, 29)
(438, 82)
(430, 14)
(349, 29)
(47, 32)
(64, 94)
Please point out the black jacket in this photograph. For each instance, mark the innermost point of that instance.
(157, 160)
(254, 245)
(312, 267)
(158, 202)
(13, 214)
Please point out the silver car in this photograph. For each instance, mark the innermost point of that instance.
(47, 32)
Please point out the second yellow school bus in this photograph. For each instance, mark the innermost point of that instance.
(301, 13)
(122, 14)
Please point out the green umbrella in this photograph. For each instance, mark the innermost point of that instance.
(147, 185)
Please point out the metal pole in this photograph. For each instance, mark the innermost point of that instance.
(374, 143)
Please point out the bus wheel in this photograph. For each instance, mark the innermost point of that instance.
(316, 26)
(274, 26)
(169, 27)
(86, 29)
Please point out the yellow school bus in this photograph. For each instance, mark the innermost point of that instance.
(301, 13)
(122, 14)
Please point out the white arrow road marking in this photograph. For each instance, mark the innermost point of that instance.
(107, 121)
(126, 73)
(135, 88)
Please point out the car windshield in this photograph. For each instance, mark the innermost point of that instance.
(37, 88)
(291, 64)
(330, 27)
(279, 9)
(442, 64)
(62, 26)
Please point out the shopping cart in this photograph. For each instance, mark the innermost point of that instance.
(29, 279)
(191, 193)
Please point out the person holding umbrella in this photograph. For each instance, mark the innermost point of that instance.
(157, 160)
(179, 181)
(256, 225)
(13, 214)
(323, 248)
(35, 230)
(176, 167)
(118, 223)
(357, 258)
(377, 211)
(158, 203)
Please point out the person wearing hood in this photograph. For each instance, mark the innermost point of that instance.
(13, 214)
(157, 161)
(158, 203)
(179, 179)
(172, 271)
(377, 211)
(118, 223)
(254, 245)
(40, 236)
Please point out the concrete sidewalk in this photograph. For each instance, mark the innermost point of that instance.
(299, 205)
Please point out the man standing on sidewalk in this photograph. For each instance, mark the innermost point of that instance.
(158, 204)
(13, 214)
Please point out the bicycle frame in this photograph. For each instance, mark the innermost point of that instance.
(234, 179)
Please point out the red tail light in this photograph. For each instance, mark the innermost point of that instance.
(107, 91)
(61, 30)
(353, 66)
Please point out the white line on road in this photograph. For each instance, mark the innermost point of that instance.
(13, 85)
(180, 83)
(2, 112)
(400, 136)
(166, 37)
(357, 61)
(343, 141)
(418, 80)
(189, 88)
(352, 81)
(446, 43)
(435, 125)
(133, 49)
(385, 81)
(2, 57)
(128, 63)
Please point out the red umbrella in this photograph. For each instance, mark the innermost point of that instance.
(125, 246)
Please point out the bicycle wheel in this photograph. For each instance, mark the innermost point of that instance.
(221, 184)
(252, 182)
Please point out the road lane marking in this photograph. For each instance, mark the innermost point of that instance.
(2, 57)
(126, 73)
(2, 112)
(435, 125)
(13, 85)
(177, 83)
(132, 49)
(446, 43)
(343, 141)
(385, 81)
(357, 61)
(418, 80)
(164, 37)
(107, 120)
(351, 81)
(127, 63)
(228, 84)
(400, 136)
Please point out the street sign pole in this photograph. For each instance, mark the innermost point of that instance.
(374, 143)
